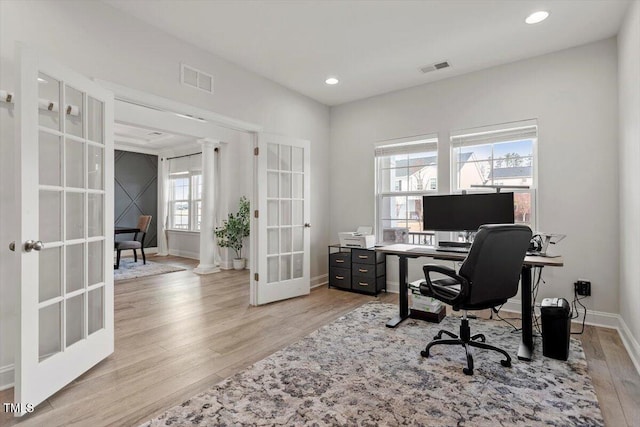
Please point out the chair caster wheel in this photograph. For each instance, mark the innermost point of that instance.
(506, 363)
(424, 353)
(467, 371)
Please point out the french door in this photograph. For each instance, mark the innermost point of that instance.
(64, 149)
(283, 221)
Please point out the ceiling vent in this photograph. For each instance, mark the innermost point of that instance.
(195, 78)
(434, 67)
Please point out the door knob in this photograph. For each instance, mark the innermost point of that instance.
(12, 246)
(30, 245)
(307, 225)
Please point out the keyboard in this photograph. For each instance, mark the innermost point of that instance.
(452, 249)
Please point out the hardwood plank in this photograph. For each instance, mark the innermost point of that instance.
(177, 334)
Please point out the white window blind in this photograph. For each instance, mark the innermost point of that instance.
(492, 134)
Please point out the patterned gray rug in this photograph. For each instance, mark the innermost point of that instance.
(130, 270)
(355, 371)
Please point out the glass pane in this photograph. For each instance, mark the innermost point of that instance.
(285, 158)
(95, 262)
(272, 212)
(272, 184)
(95, 222)
(75, 267)
(49, 331)
(285, 267)
(394, 179)
(298, 214)
(272, 241)
(95, 120)
(414, 226)
(285, 185)
(272, 269)
(515, 151)
(298, 265)
(419, 178)
(75, 319)
(522, 208)
(272, 157)
(180, 217)
(75, 216)
(298, 239)
(473, 173)
(50, 277)
(74, 153)
(297, 159)
(297, 186)
(393, 207)
(96, 309)
(475, 153)
(285, 240)
(73, 111)
(50, 216)
(285, 212)
(49, 159)
(95, 166)
(49, 101)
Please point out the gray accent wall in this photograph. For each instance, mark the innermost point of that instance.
(136, 192)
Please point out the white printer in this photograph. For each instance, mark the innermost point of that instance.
(361, 238)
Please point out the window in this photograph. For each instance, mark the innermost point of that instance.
(185, 192)
(405, 170)
(492, 157)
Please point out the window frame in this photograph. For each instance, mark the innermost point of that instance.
(492, 135)
(394, 147)
(192, 201)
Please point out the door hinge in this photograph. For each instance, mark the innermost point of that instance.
(256, 277)
(256, 151)
(256, 214)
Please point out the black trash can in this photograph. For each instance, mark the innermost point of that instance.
(556, 327)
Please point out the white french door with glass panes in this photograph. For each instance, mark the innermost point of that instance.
(283, 222)
(64, 246)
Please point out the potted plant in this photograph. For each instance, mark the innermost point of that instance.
(233, 231)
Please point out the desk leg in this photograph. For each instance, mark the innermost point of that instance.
(525, 352)
(403, 301)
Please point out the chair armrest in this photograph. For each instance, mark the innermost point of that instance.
(435, 288)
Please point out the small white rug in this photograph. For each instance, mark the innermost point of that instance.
(130, 269)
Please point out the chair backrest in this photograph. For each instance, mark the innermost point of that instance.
(143, 223)
(494, 262)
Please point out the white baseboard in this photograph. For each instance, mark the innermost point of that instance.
(321, 280)
(6, 377)
(184, 254)
(630, 343)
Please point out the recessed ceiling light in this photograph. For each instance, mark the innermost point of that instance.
(331, 81)
(536, 17)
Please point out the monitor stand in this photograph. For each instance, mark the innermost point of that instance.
(468, 239)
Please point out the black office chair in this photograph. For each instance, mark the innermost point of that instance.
(143, 225)
(488, 277)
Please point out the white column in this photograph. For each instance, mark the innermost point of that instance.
(207, 239)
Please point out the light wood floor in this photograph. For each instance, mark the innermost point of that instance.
(179, 333)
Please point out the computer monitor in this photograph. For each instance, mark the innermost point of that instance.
(466, 212)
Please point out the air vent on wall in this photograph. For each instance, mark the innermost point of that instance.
(434, 67)
(195, 78)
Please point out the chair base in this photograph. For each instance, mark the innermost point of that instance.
(467, 341)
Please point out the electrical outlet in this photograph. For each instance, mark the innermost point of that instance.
(583, 288)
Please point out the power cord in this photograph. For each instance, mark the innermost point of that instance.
(576, 313)
(496, 311)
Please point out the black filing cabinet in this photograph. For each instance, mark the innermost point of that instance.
(358, 270)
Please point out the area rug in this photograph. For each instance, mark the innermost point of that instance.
(130, 270)
(355, 371)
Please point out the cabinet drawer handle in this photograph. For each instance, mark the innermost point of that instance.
(363, 256)
(363, 284)
(339, 260)
(340, 277)
(362, 270)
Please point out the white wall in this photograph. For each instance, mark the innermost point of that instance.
(629, 102)
(572, 94)
(102, 42)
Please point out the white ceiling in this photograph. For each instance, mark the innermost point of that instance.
(375, 47)
(150, 139)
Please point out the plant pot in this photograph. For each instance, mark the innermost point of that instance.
(239, 263)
